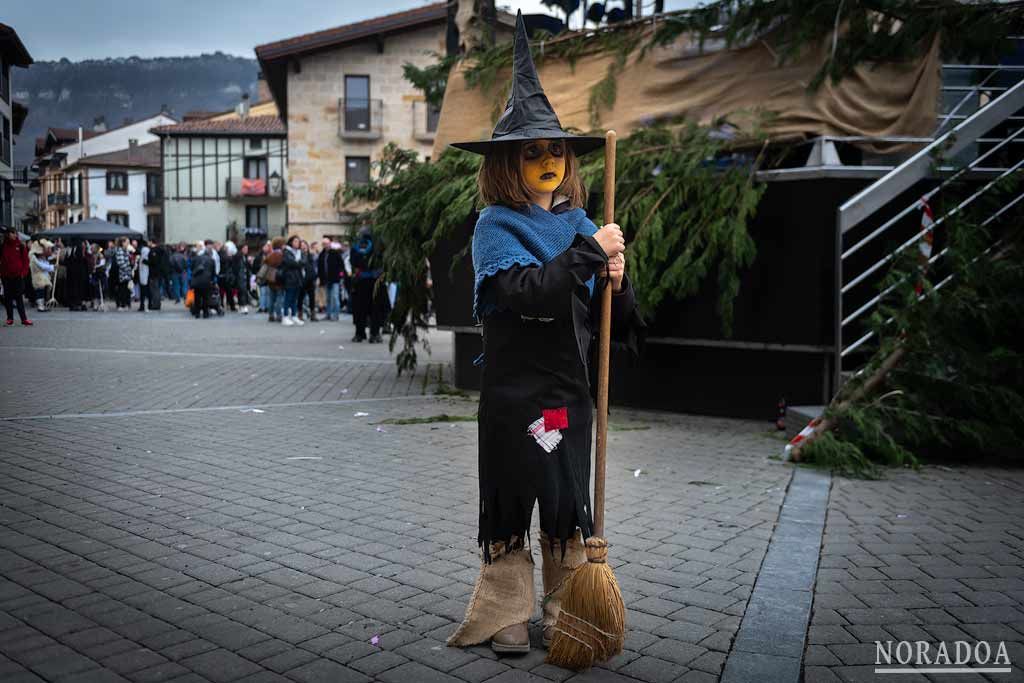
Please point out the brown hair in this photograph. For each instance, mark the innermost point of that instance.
(500, 179)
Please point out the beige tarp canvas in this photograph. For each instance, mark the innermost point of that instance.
(874, 101)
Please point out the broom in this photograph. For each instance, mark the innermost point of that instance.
(592, 624)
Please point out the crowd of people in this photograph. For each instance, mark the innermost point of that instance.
(290, 280)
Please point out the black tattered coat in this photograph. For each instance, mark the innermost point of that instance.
(537, 353)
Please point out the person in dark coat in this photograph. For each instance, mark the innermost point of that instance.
(78, 266)
(309, 276)
(333, 268)
(203, 272)
(370, 297)
(243, 271)
(159, 272)
(14, 266)
(227, 280)
(292, 267)
(540, 266)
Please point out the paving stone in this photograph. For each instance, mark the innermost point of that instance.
(435, 654)
(350, 651)
(674, 651)
(379, 661)
(161, 672)
(742, 667)
(415, 671)
(133, 660)
(187, 649)
(819, 655)
(220, 665)
(480, 670)
(518, 676)
(288, 660)
(557, 673)
(325, 670)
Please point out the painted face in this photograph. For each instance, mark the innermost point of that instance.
(543, 164)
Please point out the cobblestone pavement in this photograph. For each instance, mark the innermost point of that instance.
(934, 556)
(207, 501)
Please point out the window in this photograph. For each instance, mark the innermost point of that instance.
(255, 143)
(155, 227)
(75, 190)
(154, 191)
(256, 217)
(256, 168)
(119, 217)
(433, 116)
(5, 140)
(357, 103)
(117, 182)
(357, 170)
(6, 203)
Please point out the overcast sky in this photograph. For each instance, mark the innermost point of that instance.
(94, 29)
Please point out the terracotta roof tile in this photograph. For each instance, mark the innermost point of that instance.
(72, 133)
(250, 125)
(339, 35)
(147, 155)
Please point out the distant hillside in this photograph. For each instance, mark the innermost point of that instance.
(70, 94)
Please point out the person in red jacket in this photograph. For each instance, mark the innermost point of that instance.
(13, 269)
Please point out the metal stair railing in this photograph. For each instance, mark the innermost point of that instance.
(884, 191)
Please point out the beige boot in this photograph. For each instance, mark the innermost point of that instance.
(556, 569)
(511, 640)
(502, 603)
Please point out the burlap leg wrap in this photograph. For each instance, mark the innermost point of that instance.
(556, 571)
(503, 596)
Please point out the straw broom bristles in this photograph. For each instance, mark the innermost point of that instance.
(592, 623)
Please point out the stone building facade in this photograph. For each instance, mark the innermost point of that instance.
(344, 97)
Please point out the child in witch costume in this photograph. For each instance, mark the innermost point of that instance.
(538, 262)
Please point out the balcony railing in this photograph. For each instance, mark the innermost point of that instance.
(152, 198)
(425, 117)
(360, 119)
(20, 175)
(57, 199)
(269, 188)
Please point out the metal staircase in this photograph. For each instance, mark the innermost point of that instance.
(979, 137)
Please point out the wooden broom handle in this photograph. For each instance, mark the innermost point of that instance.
(603, 348)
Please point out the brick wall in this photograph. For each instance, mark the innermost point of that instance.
(316, 153)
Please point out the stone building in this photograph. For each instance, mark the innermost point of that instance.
(343, 96)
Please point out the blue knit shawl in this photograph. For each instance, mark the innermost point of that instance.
(506, 237)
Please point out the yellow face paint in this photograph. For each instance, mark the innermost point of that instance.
(543, 165)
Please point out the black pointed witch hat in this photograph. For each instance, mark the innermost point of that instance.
(528, 114)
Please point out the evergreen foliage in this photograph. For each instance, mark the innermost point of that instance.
(870, 31)
(958, 391)
(684, 215)
(430, 80)
(416, 204)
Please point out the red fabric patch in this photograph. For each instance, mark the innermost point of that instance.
(555, 418)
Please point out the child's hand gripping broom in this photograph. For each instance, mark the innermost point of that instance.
(592, 623)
